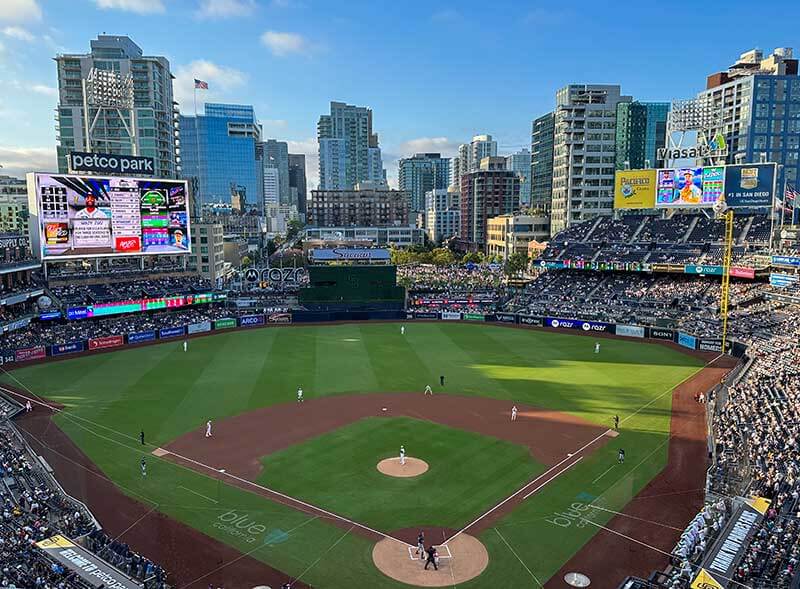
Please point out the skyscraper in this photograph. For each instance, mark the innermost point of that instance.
(584, 147)
(115, 99)
(276, 155)
(520, 163)
(470, 155)
(420, 174)
(348, 149)
(641, 130)
(542, 162)
(489, 191)
(271, 187)
(297, 181)
(219, 148)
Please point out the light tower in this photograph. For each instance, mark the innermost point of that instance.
(109, 95)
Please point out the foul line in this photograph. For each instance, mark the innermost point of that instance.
(605, 472)
(550, 480)
(649, 521)
(198, 494)
(538, 582)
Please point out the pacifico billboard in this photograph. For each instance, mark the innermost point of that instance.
(635, 189)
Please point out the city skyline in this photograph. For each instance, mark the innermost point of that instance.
(289, 60)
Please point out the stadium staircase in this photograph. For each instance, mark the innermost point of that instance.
(692, 225)
(744, 232)
(9, 407)
(597, 221)
(638, 231)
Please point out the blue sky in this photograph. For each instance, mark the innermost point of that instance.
(434, 73)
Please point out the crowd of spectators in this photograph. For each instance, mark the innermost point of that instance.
(129, 562)
(77, 293)
(467, 288)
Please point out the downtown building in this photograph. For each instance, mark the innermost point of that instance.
(348, 149)
(420, 174)
(367, 204)
(542, 132)
(220, 149)
(442, 214)
(641, 131)
(520, 164)
(275, 155)
(117, 100)
(487, 192)
(584, 153)
(759, 101)
(297, 181)
(470, 155)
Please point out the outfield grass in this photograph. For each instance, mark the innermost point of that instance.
(468, 473)
(168, 392)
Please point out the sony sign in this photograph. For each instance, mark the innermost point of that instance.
(107, 163)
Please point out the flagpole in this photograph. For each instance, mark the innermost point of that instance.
(197, 147)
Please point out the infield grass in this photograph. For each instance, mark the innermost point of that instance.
(110, 397)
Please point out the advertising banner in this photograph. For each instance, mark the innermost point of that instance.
(109, 341)
(30, 354)
(201, 327)
(750, 185)
(710, 345)
(473, 316)
(630, 330)
(84, 564)
(635, 189)
(687, 341)
(786, 261)
(88, 216)
(530, 320)
(169, 332)
(506, 317)
(7, 357)
(329, 255)
(426, 315)
(142, 336)
(50, 315)
(252, 320)
(226, 323)
(690, 187)
(279, 318)
(15, 325)
(662, 334)
(549, 264)
(77, 312)
(450, 316)
(70, 348)
(743, 272)
(781, 280)
(703, 270)
(559, 323)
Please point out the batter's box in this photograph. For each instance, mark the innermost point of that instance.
(443, 550)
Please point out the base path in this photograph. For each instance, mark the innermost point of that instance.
(672, 499)
(413, 467)
(460, 560)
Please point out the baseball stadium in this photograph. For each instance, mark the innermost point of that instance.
(619, 411)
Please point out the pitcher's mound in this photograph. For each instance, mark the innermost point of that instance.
(460, 560)
(412, 468)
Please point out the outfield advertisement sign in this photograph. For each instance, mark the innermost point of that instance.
(426, 315)
(142, 336)
(252, 320)
(226, 323)
(662, 334)
(201, 327)
(169, 332)
(710, 345)
(279, 318)
(473, 316)
(451, 316)
(70, 348)
(743, 272)
(506, 317)
(591, 326)
(530, 320)
(687, 341)
(630, 330)
(26, 354)
(109, 341)
(704, 270)
(786, 261)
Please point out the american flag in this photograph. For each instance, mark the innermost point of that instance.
(790, 196)
(200, 84)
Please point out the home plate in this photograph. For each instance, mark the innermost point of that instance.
(160, 452)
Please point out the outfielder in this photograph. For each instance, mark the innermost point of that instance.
(514, 413)
(596, 347)
(402, 330)
(428, 390)
(185, 345)
(299, 394)
(402, 455)
(208, 428)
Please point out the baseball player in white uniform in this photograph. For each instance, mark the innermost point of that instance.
(402, 330)
(299, 394)
(514, 413)
(185, 345)
(402, 455)
(208, 428)
(428, 390)
(596, 347)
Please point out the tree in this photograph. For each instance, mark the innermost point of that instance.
(272, 247)
(293, 227)
(474, 257)
(442, 256)
(246, 261)
(516, 263)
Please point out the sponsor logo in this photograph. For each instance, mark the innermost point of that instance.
(280, 318)
(251, 275)
(201, 327)
(168, 332)
(127, 244)
(630, 330)
(240, 525)
(530, 320)
(70, 348)
(686, 340)
(77, 313)
(555, 323)
(226, 323)
(450, 316)
(578, 514)
(506, 317)
(249, 320)
(425, 315)
(111, 341)
(142, 336)
(30, 354)
(104, 162)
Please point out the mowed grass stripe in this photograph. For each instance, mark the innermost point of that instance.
(398, 360)
(342, 352)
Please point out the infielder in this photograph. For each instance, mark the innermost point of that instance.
(514, 413)
(428, 390)
(596, 347)
(299, 394)
(144, 467)
(402, 455)
(28, 406)
(185, 345)
(621, 456)
(208, 428)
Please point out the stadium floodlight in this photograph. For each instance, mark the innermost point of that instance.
(109, 89)
(694, 114)
(107, 104)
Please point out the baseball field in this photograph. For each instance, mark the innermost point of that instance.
(296, 485)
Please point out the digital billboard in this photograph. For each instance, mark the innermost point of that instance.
(635, 189)
(690, 187)
(79, 216)
(750, 185)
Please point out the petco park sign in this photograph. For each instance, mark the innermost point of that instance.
(108, 163)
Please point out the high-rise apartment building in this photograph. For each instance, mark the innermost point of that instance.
(471, 154)
(368, 204)
(442, 214)
(220, 149)
(13, 206)
(542, 163)
(520, 163)
(348, 149)
(641, 131)
(272, 181)
(297, 181)
(115, 99)
(759, 99)
(276, 155)
(420, 174)
(584, 148)
(489, 191)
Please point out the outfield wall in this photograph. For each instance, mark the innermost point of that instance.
(11, 357)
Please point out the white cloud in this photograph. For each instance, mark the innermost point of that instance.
(17, 11)
(221, 81)
(441, 145)
(225, 8)
(18, 161)
(309, 148)
(274, 124)
(44, 90)
(281, 44)
(18, 33)
(137, 6)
